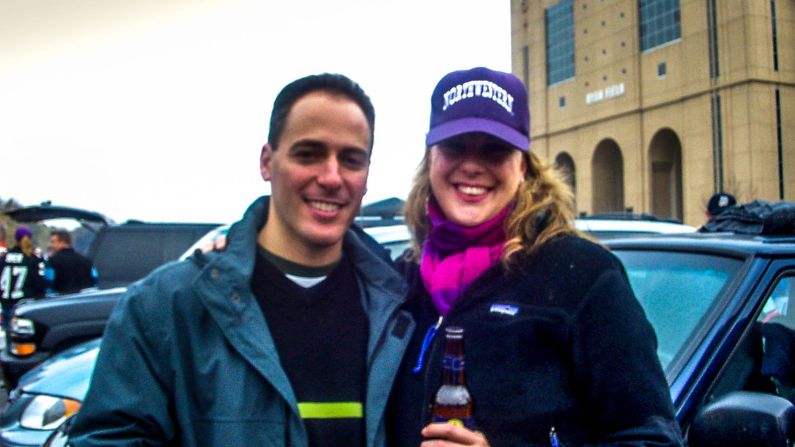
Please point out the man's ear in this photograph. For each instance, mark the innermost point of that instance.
(266, 162)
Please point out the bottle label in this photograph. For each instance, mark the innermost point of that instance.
(453, 363)
(468, 422)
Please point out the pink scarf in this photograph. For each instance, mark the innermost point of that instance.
(453, 256)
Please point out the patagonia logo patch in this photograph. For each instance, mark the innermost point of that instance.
(505, 309)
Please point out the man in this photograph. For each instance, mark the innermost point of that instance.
(718, 203)
(21, 273)
(67, 270)
(290, 336)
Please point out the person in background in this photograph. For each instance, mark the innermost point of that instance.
(21, 274)
(718, 203)
(3, 246)
(67, 270)
(290, 336)
(558, 351)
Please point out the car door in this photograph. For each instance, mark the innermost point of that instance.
(763, 358)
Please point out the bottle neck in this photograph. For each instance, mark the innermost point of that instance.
(453, 362)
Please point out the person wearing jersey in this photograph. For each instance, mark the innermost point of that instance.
(21, 274)
(290, 336)
(67, 270)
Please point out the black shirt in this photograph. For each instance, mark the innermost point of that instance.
(72, 271)
(320, 333)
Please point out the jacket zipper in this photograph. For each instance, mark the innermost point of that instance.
(430, 334)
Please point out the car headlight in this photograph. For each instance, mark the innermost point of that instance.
(47, 412)
(22, 326)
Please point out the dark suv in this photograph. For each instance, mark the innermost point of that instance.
(121, 254)
(719, 303)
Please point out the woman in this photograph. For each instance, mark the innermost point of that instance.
(558, 350)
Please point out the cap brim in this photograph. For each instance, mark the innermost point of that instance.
(468, 125)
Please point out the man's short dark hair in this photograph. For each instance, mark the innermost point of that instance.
(329, 82)
(62, 235)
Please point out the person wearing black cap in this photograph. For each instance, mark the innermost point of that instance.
(718, 203)
(558, 350)
(21, 273)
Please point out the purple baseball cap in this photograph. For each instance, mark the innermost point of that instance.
(480, 100)
(22, 232)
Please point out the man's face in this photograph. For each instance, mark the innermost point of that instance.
(318, 174)
(55, 244)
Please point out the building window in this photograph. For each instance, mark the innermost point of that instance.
(774, 28)
(780, 147)
(717, 142)
(660, 22)
(559, 20)
(662, 69)
(562, 102)
(712, 39)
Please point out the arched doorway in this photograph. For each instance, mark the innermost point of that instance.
(565, 165)
(665, 154)
(608, 178)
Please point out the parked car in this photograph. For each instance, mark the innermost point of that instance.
(719, 305)
(716, 302)
(47, 395)
(620, 225)
(51, 391)
(121, 253)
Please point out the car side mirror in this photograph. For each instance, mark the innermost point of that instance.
(744, 418)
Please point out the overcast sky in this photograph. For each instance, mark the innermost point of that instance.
(157, 109)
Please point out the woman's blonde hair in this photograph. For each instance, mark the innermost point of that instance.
(543, 202)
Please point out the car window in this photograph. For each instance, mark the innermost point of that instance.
(776, 308)
(776, 323)
(151, 248)
(676, 290)
(215, 238)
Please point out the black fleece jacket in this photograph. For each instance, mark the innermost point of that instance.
(560, 341)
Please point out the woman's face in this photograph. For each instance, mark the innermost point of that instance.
(474, 176)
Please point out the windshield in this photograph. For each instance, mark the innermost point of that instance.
(676, 290)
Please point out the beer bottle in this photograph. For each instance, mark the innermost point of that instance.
(453, 403)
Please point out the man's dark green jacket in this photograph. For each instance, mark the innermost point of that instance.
(187, 358)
